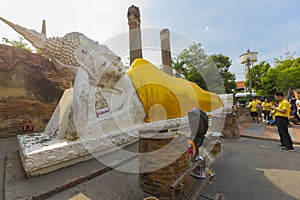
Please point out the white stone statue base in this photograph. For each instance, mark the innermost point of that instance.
(40, 154)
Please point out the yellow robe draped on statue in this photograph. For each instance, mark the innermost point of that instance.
(164, 96)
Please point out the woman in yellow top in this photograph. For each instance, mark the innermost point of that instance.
(282, 112)
(266, 109)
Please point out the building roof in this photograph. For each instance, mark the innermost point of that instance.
(240, 84)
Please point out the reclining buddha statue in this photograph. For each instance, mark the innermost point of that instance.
(105, 98)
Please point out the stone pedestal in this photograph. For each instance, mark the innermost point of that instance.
(163, 158)
(244, 114)
(227, 124)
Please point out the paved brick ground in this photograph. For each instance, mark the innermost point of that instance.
(247, 169)
(265, 131)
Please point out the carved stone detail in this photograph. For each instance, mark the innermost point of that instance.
(38, 151)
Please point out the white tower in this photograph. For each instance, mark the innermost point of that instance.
(248, 59)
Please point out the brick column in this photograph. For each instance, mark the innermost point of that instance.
(163, 158)
(43, 31)
(227, 124)
(166, 51)
(244, 114)
(135, 38)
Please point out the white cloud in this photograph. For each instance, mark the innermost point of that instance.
(206, 28)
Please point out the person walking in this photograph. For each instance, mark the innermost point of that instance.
(282, 113)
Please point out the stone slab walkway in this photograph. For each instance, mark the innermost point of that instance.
(17, 186)
(268, 132)
(87, 179)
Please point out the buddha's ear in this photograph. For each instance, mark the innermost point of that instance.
(99, 61)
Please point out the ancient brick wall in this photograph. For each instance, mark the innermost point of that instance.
(30, 87)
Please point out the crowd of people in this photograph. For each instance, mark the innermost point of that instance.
(260, 111)
(280, 112)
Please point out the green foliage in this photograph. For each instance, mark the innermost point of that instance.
(209, 72)
(223, 64)
(296, 63)
(20, 43)
(289, 78)
(189, 63)
(257, 73)
(269, 82)
(285, 74)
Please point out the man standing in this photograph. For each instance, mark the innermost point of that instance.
(282, 112)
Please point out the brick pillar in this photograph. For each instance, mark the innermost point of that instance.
(166, 51)
(43, 31)
(135, 41)
(227, 124)
(163, 158)
(244, 114)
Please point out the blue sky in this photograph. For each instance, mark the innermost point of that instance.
(230, 27)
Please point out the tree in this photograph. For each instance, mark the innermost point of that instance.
(289, 78)
(209, 72)
(285, 74)
(223, 64)
(296, 62)
(189, 64)
(269, 85)
(257, 73)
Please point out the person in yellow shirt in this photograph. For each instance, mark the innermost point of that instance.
(266, 109)
(253, 111)
(282, 113)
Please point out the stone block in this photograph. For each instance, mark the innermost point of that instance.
(227, 124)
